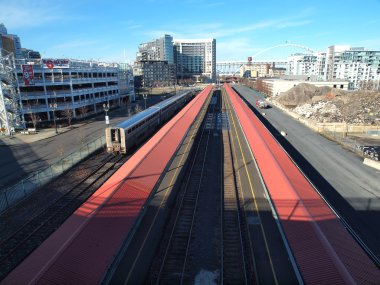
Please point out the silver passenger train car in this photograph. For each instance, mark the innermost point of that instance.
(140, 126)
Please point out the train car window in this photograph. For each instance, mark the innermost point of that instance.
(129, 130)
(115, 135)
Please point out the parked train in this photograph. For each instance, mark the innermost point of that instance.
(140, 126)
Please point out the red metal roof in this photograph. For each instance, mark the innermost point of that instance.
(324, 251)
(82, 249)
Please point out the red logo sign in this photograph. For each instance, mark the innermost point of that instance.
(49, 64)
(28, 74)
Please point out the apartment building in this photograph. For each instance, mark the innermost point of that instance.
(361, 67)
(155, 62)
(157, 73)
(9, 43)
(358, 65)
(195, 57)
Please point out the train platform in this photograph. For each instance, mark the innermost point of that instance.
(84, 247)
(323, 249)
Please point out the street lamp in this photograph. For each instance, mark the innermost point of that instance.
(145, 96)
(53, 107)
(106, 108)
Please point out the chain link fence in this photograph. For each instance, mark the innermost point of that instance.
(25, 187)
(360, 143)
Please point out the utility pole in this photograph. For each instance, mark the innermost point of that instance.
(145, 96)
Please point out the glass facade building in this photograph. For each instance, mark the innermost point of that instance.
(195, 57)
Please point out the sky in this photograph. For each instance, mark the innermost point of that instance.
(112, 30)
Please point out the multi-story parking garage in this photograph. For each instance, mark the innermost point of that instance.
(70, 88)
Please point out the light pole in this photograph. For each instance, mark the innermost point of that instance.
(145, 96)
(106, 108)
(53, 107)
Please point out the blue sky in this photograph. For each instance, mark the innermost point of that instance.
(106, 30)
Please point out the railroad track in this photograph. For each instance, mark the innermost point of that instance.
(172, 268)
(237, 267)
(22, 242)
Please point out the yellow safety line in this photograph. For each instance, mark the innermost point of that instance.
(240, 191)
(254, 197)
(162, 202)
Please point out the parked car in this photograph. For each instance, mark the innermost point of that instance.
(261, 104)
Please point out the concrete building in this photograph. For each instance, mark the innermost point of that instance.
(29, 53)
(254, 70)
(159, 49)
(157, 73)
(277, 71)
(155, 62)
(70, 88)
(195, 57)
(275, 86)
(307, 64)
(358, 65)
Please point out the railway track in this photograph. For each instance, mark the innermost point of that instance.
(22, 242)
(237, 267)
(174, 258)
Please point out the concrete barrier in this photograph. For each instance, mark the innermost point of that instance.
(372, 163)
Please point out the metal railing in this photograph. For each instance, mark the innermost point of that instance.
(13, 194)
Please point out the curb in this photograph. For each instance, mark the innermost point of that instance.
(372, 163)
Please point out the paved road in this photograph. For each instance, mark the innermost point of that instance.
(18, 160)
(351, 187)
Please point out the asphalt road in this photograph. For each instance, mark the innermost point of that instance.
(352, 188)
(19, 160)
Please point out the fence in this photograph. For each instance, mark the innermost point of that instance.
(25, 187)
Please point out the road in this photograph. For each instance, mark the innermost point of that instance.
(352, 188)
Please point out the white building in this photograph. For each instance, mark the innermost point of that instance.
(195, 57)
(275, 87)
(359, 66)
(307, 64)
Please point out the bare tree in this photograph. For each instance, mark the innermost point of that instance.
(34, 117)
(81, 137)
(83, 111)
(68, 114)
(61, 150)
(138, 109)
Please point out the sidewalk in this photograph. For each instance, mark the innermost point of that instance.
(41, 134)
(45, 133)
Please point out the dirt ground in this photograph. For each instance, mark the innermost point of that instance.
(331, 105)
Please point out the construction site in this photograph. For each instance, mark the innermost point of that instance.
(351, 118)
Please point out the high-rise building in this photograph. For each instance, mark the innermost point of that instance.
(361, 67)
(195, 58)
(9, 43)
(358, 65)
(155, 62)
(159, 49)
(307, 64)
